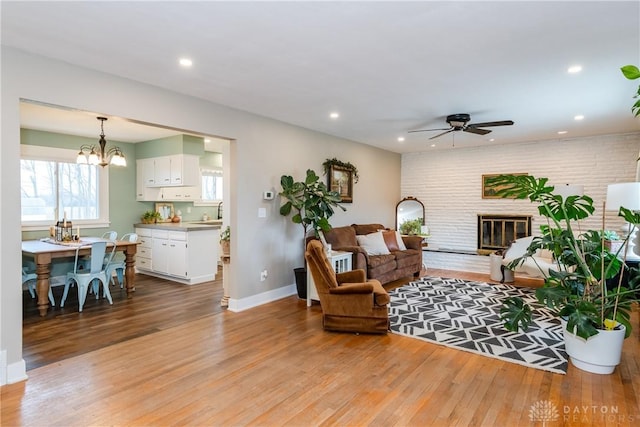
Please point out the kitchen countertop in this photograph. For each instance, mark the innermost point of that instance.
(183, 226)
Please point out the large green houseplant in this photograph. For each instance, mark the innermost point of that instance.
(312, 204)
(578, 292)
(632, 72)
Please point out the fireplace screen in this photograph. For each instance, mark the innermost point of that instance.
(498, 231)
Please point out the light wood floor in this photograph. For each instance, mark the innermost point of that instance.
(178, 359)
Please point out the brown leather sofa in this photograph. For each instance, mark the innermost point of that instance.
(349, 302)
(385, 268)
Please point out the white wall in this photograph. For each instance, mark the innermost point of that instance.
(261, 152)
(450, 186)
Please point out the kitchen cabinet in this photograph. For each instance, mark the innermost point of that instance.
(143, 192)
(170, 252)
(179, 194)
(144, 252)
(185, 254)
(170, 171)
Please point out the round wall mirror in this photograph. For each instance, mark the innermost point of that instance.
(409, 216)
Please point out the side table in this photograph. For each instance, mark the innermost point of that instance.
(340, 261)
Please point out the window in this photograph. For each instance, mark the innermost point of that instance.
(52, 185)
(211, 186)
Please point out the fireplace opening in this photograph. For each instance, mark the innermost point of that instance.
(496, 232)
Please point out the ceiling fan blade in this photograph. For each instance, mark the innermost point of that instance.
(443, 133)
(427, 130)
(489, 124)
(477, 131)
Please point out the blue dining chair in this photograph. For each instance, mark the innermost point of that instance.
(107, 235)
(118, 263)
(29, 277)
(84, 277)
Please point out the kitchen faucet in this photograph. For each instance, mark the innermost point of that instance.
(220, 211)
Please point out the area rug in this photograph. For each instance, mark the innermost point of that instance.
(465, 315)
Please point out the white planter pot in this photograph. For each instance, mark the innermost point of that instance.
(600, 354)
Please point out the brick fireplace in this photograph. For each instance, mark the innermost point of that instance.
(496, 232)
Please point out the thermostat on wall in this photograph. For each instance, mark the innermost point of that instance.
(267, 195)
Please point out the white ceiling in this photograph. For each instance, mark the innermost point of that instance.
(386, 67)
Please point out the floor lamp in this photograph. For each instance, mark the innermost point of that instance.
(626, 195)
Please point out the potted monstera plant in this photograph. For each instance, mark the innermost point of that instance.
(311, 204)
(595, 313)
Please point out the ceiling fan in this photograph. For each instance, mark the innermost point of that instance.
(459, 122)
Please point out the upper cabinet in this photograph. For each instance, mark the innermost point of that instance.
(175, 178)
(171, 171)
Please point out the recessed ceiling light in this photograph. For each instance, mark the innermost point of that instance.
(574, 69)
(334, 115)
(207, 140)
(401, 139)
(578, 117)
(562, 132)
(186, 62)
(492, 139)
(433, 145)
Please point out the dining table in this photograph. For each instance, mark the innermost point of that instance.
(44, 251)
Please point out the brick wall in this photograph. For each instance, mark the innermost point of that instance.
(449, 183)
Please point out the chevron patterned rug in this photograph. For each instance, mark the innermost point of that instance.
(465, 315)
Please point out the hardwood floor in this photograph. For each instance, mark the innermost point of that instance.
(157, 305)
(172, 356)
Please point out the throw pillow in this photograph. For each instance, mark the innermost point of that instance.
(393, 240)
(400, 241)
(373, 243)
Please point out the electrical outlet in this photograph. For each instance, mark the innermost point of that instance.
(263, 275)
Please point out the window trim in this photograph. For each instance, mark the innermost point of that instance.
(43, 153)
(208, 171)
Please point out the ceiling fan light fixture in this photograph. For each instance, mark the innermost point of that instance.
(460, 122)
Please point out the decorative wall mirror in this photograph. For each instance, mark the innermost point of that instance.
(409, 216)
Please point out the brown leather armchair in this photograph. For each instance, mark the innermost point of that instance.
(349, 302)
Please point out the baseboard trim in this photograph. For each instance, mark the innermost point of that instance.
(190, 281)
(237, 305)
(13, 372)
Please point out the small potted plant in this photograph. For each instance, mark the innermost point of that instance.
(225, 244)
(612, 241)
(411, 227)
(150, 217)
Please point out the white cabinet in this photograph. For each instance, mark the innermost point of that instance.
(145, 193)
(145, 250)
(188, 257)
(170, 252)
(170, 171)
(148, 172)
(179, 194)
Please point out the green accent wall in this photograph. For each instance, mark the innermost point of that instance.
(177, 144)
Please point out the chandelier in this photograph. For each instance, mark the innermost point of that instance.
(89, 155)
